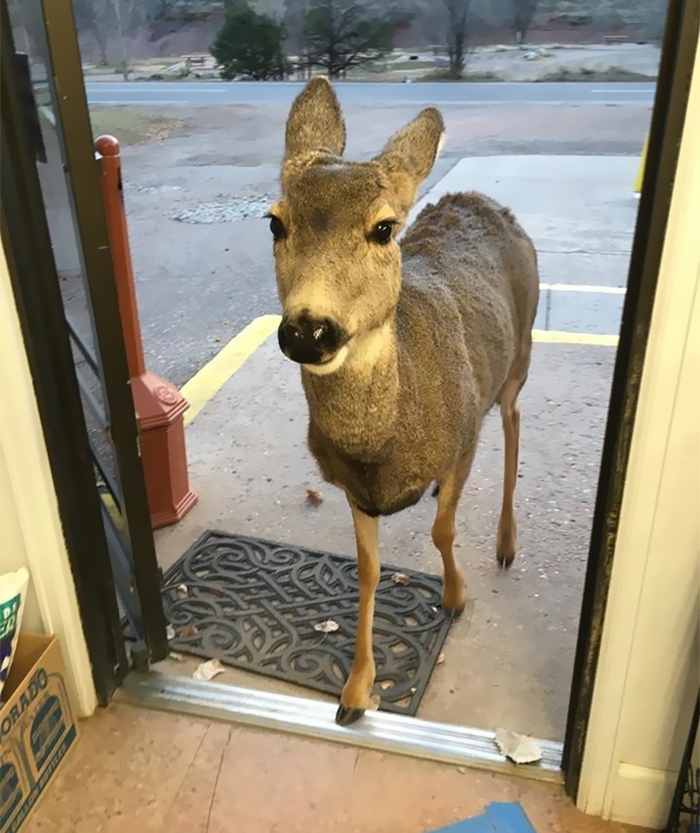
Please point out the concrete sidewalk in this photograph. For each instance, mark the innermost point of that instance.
(509, 658)
(580, 212)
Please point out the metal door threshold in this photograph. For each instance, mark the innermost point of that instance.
(383, 732)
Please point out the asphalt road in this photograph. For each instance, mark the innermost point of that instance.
(157, 93)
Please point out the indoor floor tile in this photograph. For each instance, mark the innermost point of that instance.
(140, 771)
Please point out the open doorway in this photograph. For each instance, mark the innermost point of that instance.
(564, 157)
(198, 178)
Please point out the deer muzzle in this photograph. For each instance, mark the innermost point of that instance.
(309, 340)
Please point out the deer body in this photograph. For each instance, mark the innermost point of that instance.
(404, 348)
(386, 436)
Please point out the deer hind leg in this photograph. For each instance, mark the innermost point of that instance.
(510, 417)
(450, 489)
(357, 691)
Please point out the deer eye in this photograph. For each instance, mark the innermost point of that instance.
(279, 232)
(381, 233)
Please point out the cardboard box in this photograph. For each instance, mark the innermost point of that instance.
(37, 726)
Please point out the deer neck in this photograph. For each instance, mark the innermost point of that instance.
(356, 407)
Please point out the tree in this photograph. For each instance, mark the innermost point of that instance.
(250, 44)
(523, 12)
(458, 26)
(340, 34)
(122, 19)
(654, 22)
(85, 21)
(114, 25)
(294, 17)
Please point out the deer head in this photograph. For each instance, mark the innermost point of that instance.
(337, 259)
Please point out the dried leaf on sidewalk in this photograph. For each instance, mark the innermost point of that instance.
(401, 578)
(208, 670)
(440, 659)
(520, 749)
(173, 655)
(327, 626)
(314, 498)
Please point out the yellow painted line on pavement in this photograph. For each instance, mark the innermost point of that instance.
(211, 378)
(559, 337)
(576, 287)
(214, 375)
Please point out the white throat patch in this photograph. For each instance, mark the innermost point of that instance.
(329, 367)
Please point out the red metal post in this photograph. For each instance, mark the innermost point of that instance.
(159, 405)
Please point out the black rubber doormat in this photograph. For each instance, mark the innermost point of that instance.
(273, 609)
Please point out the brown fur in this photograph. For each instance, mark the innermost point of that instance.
(461, 321)
(439, 328)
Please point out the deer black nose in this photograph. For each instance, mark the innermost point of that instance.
(309, 340)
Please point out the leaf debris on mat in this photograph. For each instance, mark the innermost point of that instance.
(208, 670)
(181, 590)
(327, 626)
(314, 498)
(188, 632)
(520, 749)
(169, 632)
(401, 578)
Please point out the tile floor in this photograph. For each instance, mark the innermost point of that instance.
(140, 771)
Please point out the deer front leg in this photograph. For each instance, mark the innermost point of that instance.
(357, 691)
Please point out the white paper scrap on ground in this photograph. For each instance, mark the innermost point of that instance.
(518, 748)
(208, 670)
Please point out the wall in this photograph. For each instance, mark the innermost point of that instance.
(30, 527)
(649, 671)
(13, 552)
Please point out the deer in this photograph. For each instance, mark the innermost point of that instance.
(404, 344)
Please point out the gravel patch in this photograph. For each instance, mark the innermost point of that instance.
(225, 212)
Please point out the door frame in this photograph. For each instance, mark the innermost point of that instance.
(665, 134)
(133, 547)
(88, 527)
(27, 245)
(454, 744)
(661, 161)
(649, 657)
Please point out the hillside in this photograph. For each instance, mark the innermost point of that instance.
(189, 26)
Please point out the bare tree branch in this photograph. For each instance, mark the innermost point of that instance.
(458, 32)
(523, 13)
(340, 34)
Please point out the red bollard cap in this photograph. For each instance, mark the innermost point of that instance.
(107, 145)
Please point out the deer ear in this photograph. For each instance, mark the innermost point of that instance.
(410, 154)
(315, 122)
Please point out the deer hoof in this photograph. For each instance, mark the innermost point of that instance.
(454, 611)
(346, 716)
(505, 560)
(454, 600)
